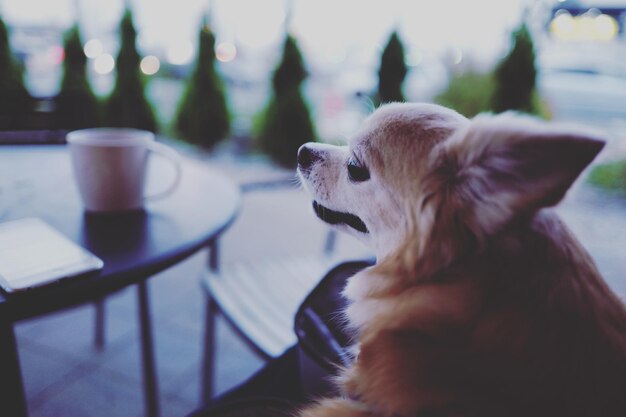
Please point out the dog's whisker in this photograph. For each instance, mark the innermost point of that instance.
(295, 180)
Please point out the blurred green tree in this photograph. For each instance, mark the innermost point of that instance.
(127, 105)
(515, 76)
(609, 176)
(76, 105)
(286, 123)
(392, 71)
(15, 101)
(469, 93)
(202, 116)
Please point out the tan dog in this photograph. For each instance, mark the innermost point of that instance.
(481, 303)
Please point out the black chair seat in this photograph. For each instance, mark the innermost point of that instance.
(321, 330)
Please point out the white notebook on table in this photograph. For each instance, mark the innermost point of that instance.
(33, 253)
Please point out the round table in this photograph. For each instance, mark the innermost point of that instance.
(36, 181)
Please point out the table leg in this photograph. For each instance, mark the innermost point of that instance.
(150, 384)
(208, 365)
(213, 261)
(208, 361)
(99, 325)
(12, 399)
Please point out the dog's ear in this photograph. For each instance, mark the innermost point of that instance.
(502, 166)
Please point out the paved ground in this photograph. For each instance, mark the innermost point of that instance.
(66, 377)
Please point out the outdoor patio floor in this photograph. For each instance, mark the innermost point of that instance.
(65, 376)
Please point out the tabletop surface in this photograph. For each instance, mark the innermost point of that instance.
(36, 181)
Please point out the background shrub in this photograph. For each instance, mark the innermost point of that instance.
(469, 93)
(515, 76)
(15, 101)
(610, 176)
(202, 116)
(392, 72)
(127, 105)
(76, 104)
(286, 122)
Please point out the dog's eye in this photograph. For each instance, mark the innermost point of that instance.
(356, 171)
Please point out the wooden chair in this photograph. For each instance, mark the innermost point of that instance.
(259, 299)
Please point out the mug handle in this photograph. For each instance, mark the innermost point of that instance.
(172, 156)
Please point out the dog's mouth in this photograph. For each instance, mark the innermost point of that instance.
(337, 217)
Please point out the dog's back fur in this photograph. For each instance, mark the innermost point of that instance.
(492, 308)
(497, 334)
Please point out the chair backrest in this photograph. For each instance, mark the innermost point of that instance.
(32, 137)
(321, 331)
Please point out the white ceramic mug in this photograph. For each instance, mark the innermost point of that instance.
(110, 167)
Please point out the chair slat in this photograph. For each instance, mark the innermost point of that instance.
(262, 297)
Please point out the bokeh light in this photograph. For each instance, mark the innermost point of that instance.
(563, 26)
(590, 26)
(150, 65)
(104, 64)
(93, 48)
(225, 51)
(56, 54)
(606, 27)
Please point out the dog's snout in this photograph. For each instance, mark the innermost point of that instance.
(307, 157)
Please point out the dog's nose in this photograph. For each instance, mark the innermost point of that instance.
(307, 157)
